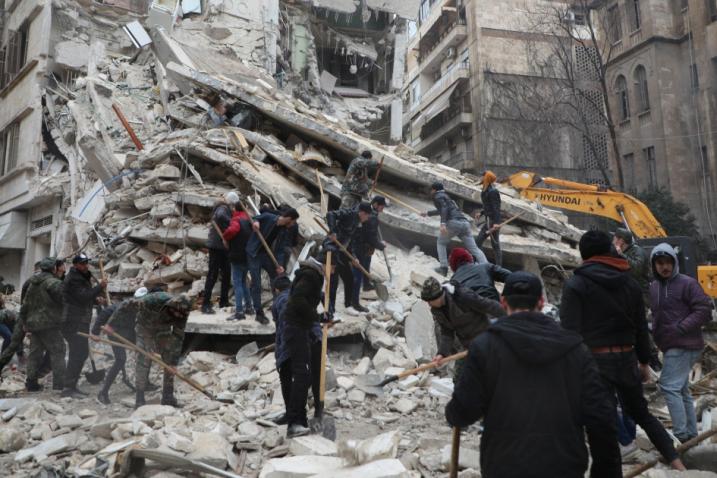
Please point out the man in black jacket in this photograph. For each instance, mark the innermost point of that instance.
(490, 197)
(453, 223)
(342, 224)
(603, 303)
(219, 253)
(365, 240)
(478, 277)
(538, 391)
(299, 337)
(78, 298)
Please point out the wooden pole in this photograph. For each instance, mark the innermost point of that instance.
(127, 126)
(104, 278)
(261, 238)
(219, 232)
(455, 452)
(325, 329)
(375, 179)
(398, 201)
(324, 202)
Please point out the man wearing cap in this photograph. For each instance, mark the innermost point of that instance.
(161, 321)
(459, 313)
(301, 341)
(477, 277)
(628, 249)
(538, 391)
(680, 308)
(603, 303)
(365, 241)
(453, 223)
(490, 197)
(219, 265)
(40, 316)
(357, 181)
(120, 317)
(79, 297)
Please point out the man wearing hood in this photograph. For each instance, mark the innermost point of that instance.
(40, 316)
(490, 197)
(79, 297)
(679, 309)
(603, 303)
(219, 267)
(453, 223)
(538, 391)
(300, 323)
(477, 277)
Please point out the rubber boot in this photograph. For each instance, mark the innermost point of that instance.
(168, 392)
(139, 399)
(103, 397)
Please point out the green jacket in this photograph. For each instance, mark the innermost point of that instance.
(42, 307)
(639, 265)
(154, 319)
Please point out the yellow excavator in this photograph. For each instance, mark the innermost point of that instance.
(620, 207)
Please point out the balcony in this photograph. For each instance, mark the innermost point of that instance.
(437, 130)
(458, 71)
(432, 57)
(427, 24)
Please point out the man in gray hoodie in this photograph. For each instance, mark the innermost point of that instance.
(679, 309)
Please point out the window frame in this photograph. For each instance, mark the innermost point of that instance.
(643, 88)
(15, 54)
(614, 30)
(9, 147)
(623, 97)
(651, 164)
(628, 163)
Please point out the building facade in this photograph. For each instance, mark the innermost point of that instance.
(663, 75)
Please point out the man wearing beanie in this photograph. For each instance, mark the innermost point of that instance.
(453, 223)
(603, 303)
(459, 313)
(538, 391)
(490, 197)
(477, 277)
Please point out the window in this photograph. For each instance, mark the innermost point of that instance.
(711, 8)
(425, 10)
(694, 78)
(628, 169)
(9, 146)
(614, 24)
(684, 4)
(633, 14)
(623, 99)
(14, 55)
(412, 29)
(649, 155)
(643, 95)
(415, 93)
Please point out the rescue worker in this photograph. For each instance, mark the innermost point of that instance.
(40, 314)
(459, 314)
(270, 226)
(477, 277)
(358, 179)
(160, 329)
(121, 318)
(365, 241)
(453, 223)
(378, 204)
(79, 296)
(627, 248)
(219, 267)
(237, 236)
(490, 197)
(299, 338)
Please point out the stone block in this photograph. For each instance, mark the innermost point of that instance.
(11, 439)
(382, 446)
(300, 466)
(166, 171)
(362, 367)
(128, 270)
(419, 330)
(47, 448)
(267, 364)
(177, 442)
(68, 421)
(151, 413)
(345, 382)
(379, 338)
(356, 396)
(312, 445)
(467, 458)
(409, 382)
(390, 468)
(210, 448)
(403, 406)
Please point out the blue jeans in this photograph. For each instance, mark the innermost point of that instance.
(674, 384)
(256, 264)
(6, 334)
(365, 262)
(462, 229)
(241, 291)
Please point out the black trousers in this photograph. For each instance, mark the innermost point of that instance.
(303, 369)
(621, 375)
(219, 268)
(494, 242)
(344, 271)
(118, 365)
(78, 351)
(286, 377)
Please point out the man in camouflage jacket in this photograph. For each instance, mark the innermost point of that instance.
(358, 179)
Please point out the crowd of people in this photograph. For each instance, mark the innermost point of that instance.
(539, 385)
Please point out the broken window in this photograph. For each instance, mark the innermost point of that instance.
(649, 155)
(9, 147)
(643, 94)
(623, 100)
(14, 55)
(614, 24)
(633, 13)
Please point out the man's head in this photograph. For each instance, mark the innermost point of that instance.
(435, 187)
(179, 306)
(288, 218)
(37, 266)
(522, 292)
(622, 239)
(594, 243)
(664, 261)
(81, 262)
(48, 265)
(60, 267)
(433, 293)
(366, 154)
(458, 257)
(231, 198)
(378, 203)
(280, 283)
(489, 178)
(364, 212)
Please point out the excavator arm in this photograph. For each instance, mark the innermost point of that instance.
(589, 199)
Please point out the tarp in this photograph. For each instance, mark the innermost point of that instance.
(13, 229)
(436, 106)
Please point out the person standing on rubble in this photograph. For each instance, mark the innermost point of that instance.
(218, 254)
(476, 277)
(378, 204)
(237, 236)
(459, 313)
(358, 179)
(490, 197)
(365, 241)
(78, 298)
(270, 226)
(538, 391)
(603, 303)
(680, 308)
(40, 316)
(453, 223)
(160, 329)
(301, 335)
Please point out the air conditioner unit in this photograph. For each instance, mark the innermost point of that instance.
(451, 52)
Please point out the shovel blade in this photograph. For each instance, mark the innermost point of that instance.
(95, 377)
(326, 426)
(381, 290)
(369, 384)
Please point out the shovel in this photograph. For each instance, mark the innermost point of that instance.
(373, 384)
(455, 453)
(381, 289)
(95, 376)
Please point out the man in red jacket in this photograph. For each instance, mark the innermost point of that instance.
(237, 236)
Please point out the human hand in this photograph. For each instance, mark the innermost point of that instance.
(437, 359)
(103, 283)
(444, 230)
(256, 226)
(645, 374)
(355, 263)
(280, 270)
(423, 214)
(332, 236)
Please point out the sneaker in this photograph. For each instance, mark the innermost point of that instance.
(249, 310)
(262, 319)
(207, 309)
(297, 430)
(281, 420)
(103, 398)
(443, 270)
(360, 308)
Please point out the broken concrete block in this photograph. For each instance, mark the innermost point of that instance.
(356, 396)
(441, 387)
(467, 458)
(151, 413)
(164, 210)
(47, 448)
(409, 382)
(267, 364)
(11, 439)
(394, 308)
(345, 382)
(177, 442)
(211, 449)
(403, 406)
(390, 468)
(382, 446)
(204, 361)
(312, 445)
(419, 331)
(7, 416)
(129, 271)
(166, 171)
(300, 466)
(362, 367)
(250, 429)
(68, 421)
(379, 338)
(383, 359)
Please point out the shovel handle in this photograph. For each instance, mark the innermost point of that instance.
(455, 452)
(398, 201)
(375, 178)
(104, 278)
(424, 367)
(325, 330)
(263, 241)
(219, 232)
(509, 220)
(344, 250)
